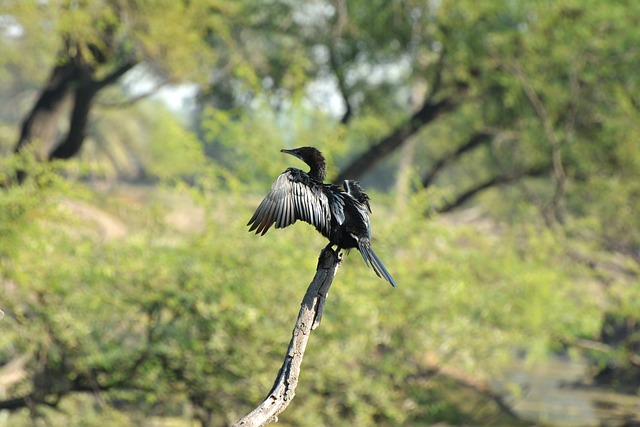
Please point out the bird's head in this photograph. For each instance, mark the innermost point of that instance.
(305, 154)
(313, 157)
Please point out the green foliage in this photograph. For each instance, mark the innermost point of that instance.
(173, 151)
(158, 300)
(204, 317)
(168, 34)
(248, 143)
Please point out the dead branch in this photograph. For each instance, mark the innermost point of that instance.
(309, 317)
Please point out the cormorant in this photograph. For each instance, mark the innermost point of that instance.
(339, 213)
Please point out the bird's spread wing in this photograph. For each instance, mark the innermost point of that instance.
(293, 196)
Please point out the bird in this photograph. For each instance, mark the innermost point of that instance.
(338, 212)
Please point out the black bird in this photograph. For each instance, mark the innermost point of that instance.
(339, 213)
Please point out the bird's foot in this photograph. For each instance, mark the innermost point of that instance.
(329, 247)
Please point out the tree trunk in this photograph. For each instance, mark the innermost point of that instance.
(42, 121)
(73, 77)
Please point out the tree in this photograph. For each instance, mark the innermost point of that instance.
(499, 93)
(98, 43)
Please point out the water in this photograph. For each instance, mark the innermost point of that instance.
(558, 392)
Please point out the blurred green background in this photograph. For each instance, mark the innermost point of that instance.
(499, 142)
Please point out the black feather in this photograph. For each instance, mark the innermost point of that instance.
(341, 214)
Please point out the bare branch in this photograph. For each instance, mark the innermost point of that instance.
(114, 76)
(556, 155)
(133, 99)
(309, 317)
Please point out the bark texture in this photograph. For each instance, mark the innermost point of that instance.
(309, 317)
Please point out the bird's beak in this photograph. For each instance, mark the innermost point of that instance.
(292, 152)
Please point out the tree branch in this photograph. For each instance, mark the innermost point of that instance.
(338, 72)
(369, 159)
(309, 317)
(40, 123)
(437, 79)
(85, 382)
(341, 19)
(73, 75)
(83, 100)
(115, 75)
(475, 141)
(491, 182)
(13, 404)
(133, 99)
(478, 386)
(556, 154)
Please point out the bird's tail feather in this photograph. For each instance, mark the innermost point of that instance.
(372, 260)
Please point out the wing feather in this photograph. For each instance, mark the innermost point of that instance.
(280, 203)
(337, 207)
(293, 196)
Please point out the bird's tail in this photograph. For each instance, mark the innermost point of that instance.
(374, 262)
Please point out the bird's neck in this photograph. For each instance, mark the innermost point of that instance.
(318, 171)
